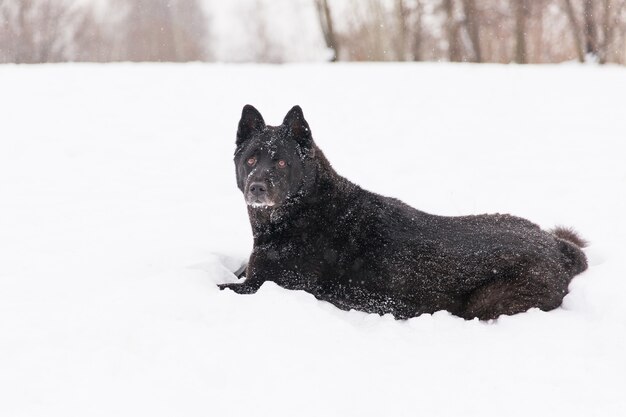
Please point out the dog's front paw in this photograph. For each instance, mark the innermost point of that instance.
(224, 286)
(238, 288)
(242, 288)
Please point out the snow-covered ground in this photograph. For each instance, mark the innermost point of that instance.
(119, 213)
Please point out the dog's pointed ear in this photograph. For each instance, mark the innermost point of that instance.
(251, 122)
(297, 125)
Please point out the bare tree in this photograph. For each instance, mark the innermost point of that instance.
(328, 29)
(93, 40)
(575, 28)
(594, 28)
(471, 23)
(34, 31)
(463, 30)
(613, 17)
(589, 28)
(417, 34)
(190, 30)
(522, 13)
(501, 31)
(452, 31)
(402, 13)
(163, 30)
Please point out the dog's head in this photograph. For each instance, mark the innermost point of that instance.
(272, 162)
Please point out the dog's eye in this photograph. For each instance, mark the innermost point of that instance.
(251, 161)
(282, 164)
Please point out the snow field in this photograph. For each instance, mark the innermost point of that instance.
(119, 213)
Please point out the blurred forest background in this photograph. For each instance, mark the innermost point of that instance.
(275, 31)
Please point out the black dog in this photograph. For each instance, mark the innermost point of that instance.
(316, 231)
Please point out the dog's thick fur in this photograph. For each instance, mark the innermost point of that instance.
(316, 231)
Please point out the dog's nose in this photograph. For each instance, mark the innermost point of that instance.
(257, 188)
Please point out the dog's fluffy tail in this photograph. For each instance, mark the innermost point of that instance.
(571, 244)
(569, 234)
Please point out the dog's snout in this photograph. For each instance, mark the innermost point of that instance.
(258, 188)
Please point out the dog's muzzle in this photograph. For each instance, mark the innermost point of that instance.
(258, 196)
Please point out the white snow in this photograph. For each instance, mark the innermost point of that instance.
(119, 213)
